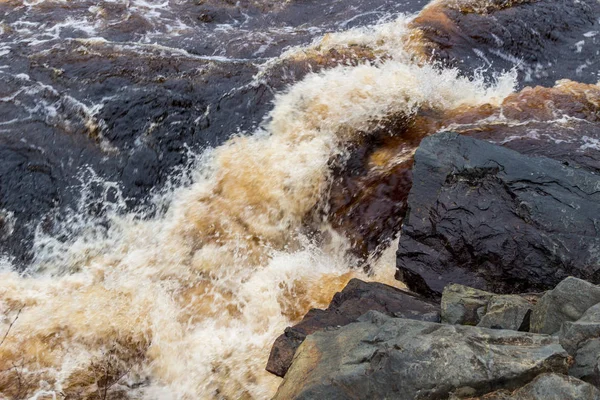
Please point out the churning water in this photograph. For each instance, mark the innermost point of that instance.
(183, 297)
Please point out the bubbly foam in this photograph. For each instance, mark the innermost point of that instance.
(186, 305)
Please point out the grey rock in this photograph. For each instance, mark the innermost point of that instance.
(468, 306)
(354, 300)
(587, 358)
(573, 334)
(568, 301)
(507, 312)
(464, 305)
(382, 357)
(581, 339)
(488, 217)
(549, 387)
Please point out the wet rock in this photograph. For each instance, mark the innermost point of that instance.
(581, 339)
(549, 387)
(568, 301)
(354, 300)
(383, 357)
(559, 122)
(545, 41)
(369, 194)
(493, 219)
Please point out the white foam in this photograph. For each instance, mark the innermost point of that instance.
(202, 290)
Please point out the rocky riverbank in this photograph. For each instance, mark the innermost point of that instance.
(175, 176)
(498, 249)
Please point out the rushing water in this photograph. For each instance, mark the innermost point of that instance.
(178, 219)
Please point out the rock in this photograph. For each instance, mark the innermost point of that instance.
(586, 362)
(543, 40)
(568, 301)
(354, 300)
(493, 219)
(467, 306)
(573, 140)
(383, 357)
(464, 305)
(507, 312)
(549, 387)
(367, 203)
(572, 334)
(369, 193)
(581, 339)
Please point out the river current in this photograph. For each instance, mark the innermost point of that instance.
(167, 174)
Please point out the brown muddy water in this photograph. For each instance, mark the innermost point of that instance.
(181, 180)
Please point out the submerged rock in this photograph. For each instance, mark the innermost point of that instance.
(384, 357)
(354, 300)
(493, 219)
(568, 301)
(549, 387)
(105, 103)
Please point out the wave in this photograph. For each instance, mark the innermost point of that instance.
(186, 304)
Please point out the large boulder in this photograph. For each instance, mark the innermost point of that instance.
(568, 301)
(354, 300)
(383, 357)
(549, 387)
(369, 192)
(493, 219)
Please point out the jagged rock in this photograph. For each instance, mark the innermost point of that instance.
(581, 339)
(572, 334)
(568, 301)
(549, 387)
(383, 357)
(354, 300)
(493, 219)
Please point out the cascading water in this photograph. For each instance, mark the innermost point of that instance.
(183, 301)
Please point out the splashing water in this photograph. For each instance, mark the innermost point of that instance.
(186, 305)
